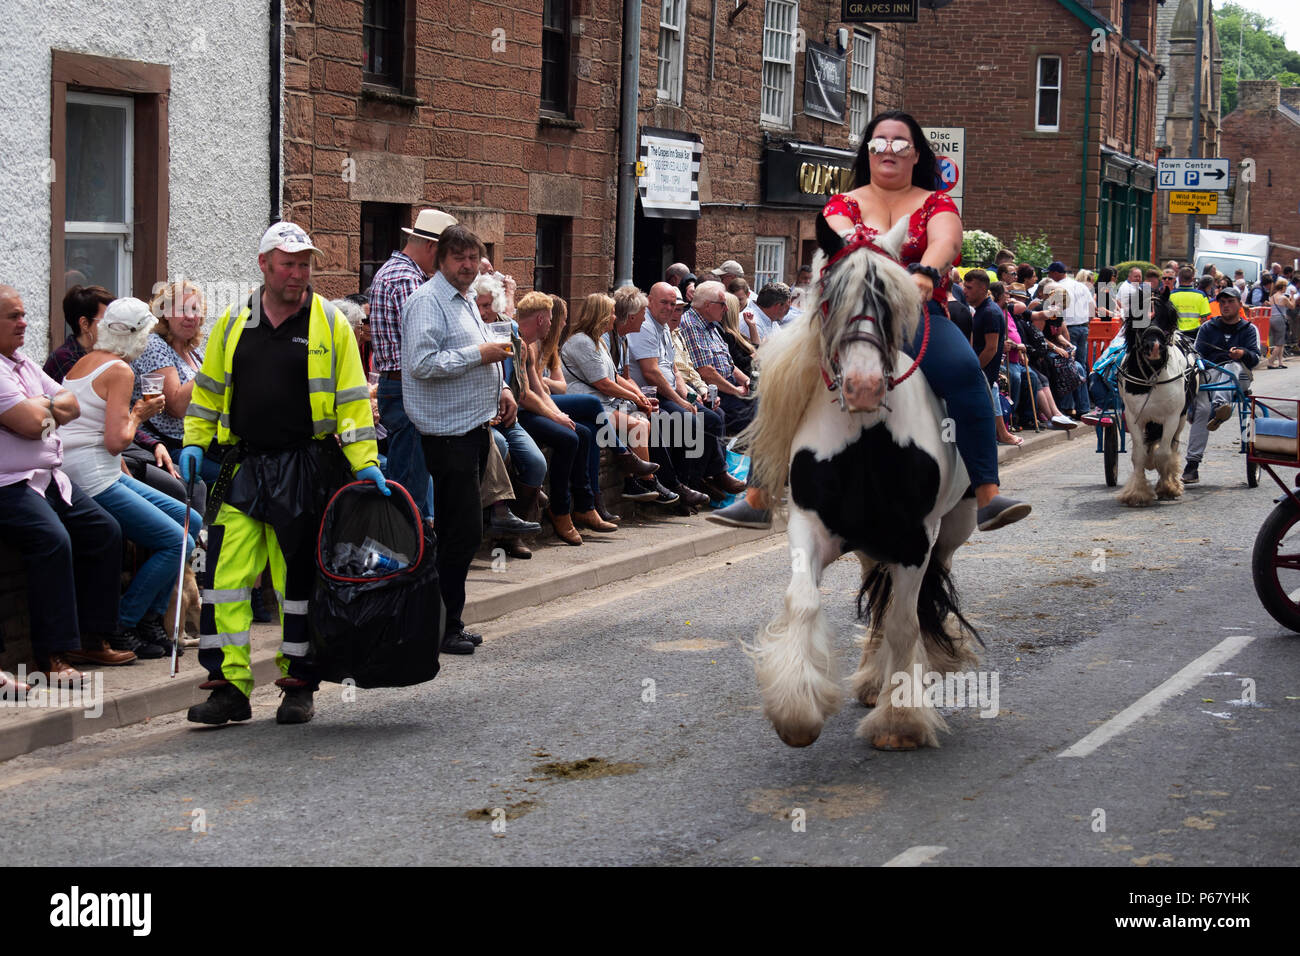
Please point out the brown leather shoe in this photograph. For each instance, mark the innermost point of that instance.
(630, 464)
(605, 513)
(564, 529)
(592, 519)
(514, 547)
(103, 655)
(690, 496)
(61, 672)
(727, 483)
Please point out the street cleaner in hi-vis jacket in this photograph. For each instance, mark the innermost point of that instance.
(283, 391)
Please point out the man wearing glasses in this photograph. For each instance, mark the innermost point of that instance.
(712, 358)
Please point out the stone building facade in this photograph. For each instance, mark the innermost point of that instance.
(1058, 101)
(508, 116)
(1265, 127)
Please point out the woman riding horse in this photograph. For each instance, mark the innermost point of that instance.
(895, 178)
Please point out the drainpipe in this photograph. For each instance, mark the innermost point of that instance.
(273, 136)
(1196, 117)
(1083, 186)
(625, 222)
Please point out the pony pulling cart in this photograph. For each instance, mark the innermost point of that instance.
(848, 418)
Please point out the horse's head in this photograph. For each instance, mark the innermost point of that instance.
(1148, 336)
(869, 307)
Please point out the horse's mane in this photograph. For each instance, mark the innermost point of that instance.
(863, 282)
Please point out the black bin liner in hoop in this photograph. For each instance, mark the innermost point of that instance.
(382, 630)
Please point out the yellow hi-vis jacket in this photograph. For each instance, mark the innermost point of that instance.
(336, 385)
(1193, 308)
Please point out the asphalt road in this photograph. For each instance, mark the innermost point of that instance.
(551, 724)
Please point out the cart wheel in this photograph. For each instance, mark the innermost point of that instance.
(1252, 474)
(1110, 453)
(1275, 564)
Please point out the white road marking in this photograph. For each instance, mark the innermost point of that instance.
(915, 856)
(1186, 678)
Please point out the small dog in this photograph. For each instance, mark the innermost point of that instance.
(189, 591)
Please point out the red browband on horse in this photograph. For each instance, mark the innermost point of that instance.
(853, 244)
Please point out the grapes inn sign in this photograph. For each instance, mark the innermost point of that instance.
(890, 11)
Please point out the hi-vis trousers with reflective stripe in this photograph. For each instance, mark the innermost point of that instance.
(238, 549)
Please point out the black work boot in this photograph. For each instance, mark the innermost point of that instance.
(296, 707)
(224, 704)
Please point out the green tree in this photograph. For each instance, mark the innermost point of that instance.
(1034, 250)
(1253, 49)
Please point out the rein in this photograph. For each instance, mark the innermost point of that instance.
(1152, 382)
(834, 377)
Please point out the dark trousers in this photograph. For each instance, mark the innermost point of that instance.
(141, 462)
(739, 412)
(588, 411)
(456, 464)
(570, 451)
(70, 551)
(701, 455)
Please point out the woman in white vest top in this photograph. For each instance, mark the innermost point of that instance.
(92, 445)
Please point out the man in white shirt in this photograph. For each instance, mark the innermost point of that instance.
(1128, 289)
(1079, 312)
(766, 312)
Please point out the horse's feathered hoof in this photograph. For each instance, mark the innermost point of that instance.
(799, 737)
(895, 742)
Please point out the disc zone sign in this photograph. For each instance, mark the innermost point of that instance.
(949, 145)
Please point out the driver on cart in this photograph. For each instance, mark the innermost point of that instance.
(1232, 343)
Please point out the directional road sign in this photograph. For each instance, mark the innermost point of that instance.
(1194, 203)
(1193, 174)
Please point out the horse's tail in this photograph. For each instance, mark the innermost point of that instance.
(791, 377)
(936, 603)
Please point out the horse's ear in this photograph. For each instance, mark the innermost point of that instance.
(830, 240)
(892, 241)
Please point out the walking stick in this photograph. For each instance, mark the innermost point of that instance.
(1029, 382)
(180, 582)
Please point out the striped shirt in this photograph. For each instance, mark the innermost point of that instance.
(393, 284)
(446, 388)
(704, 344)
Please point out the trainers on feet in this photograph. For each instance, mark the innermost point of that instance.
(742, 515)
(1190, 475)
(637, 490)
(1001, 511)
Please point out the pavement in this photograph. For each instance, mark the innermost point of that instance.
(496, 586)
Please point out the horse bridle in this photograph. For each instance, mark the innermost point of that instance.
(834, 377)
(1151, 382)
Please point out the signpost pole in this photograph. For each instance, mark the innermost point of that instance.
(1196, 117)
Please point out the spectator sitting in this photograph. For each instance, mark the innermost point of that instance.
(678, 271)
(741, 347)
(1066, 375)
(70, 547)
(102, 382)
(1034, 351)
(687, 288)
(572, 444)
(801, 294)
(590, 370)
(769, 310)
(548, 357)
(712, 358)
(740, 289)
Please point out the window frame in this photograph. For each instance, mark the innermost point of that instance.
(149, 85)
(396, 77)
(775, 247)
(1039, 87)
(123, 229)
(563, 106)
(785, 119)
(561, 247)
(855, 135)
(673, 93)
(398, 215)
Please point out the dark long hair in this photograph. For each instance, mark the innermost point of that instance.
(923, 173)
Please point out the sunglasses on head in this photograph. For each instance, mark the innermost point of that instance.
(899, 147)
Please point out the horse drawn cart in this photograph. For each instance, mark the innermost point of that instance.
(1274, 442)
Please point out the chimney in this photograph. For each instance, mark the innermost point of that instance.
(1291, 97)
(1258, 95)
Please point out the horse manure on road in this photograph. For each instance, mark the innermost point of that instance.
(586, 769)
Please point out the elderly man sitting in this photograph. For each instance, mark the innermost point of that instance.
(71, 547)
(712, 358)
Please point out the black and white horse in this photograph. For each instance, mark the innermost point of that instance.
(871, 471)
(1157, 384)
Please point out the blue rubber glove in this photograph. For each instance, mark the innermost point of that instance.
(371, 473)
(190, 462)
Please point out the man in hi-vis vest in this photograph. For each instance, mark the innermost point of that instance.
(283, 391)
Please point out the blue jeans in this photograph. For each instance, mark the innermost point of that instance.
(150, 519)
(953, 370)
(589, 411)
(517, 445)
(405, 453)
(569, 452)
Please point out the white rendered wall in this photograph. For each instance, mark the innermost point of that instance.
(218, 118)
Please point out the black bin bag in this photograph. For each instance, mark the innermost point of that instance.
(380, 626)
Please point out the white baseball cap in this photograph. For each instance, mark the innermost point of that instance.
(287, 237)
(128, 315)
